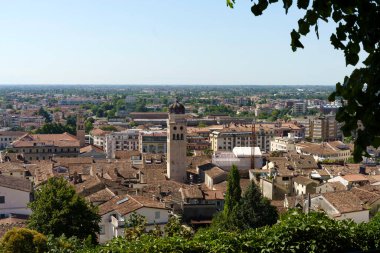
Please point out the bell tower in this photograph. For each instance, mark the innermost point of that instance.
(176, 143)
(80, 130)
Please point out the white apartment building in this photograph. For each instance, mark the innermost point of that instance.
(116, 212)
(15, 194)
(243, 157)
(228, 138)
(284, 144)
(125, 140)
(7, 137)
(335, 150)
(98, 137)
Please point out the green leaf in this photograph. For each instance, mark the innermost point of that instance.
(336, 42)
(302, 4)
(332, 96)
(230, 3)
(295, 42)
(311, 17)
(303, 27)
(337, 16)
(352, 58)
(317, 30)
(257, 9)
(287, 4)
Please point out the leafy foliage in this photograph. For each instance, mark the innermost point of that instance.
(89, 125)
(174, 227)
(55, 128)
(23, 240)
(58, 210)
(62, 244)
(108, 128)
(45, 114)
(357, 30)
(135, 226)
(295, 232)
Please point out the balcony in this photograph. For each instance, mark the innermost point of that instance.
(117, 223)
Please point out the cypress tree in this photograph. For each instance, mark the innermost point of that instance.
(233, 194)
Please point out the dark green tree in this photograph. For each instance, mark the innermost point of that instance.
(58, 209)
(108, 128)
(55, 128)
(357, 30)
(233, 193)
(228, 218)
(89, 125)
(255, 210)
(45, 114)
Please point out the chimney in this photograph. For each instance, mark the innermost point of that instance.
(362, 170)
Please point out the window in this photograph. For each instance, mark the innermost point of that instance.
(102, 230)
(2, 199)
(157, 215)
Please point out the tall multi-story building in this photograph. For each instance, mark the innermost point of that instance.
(323, 128)
(124, 140)
(299, 108)
(46, 146)
(176, 143)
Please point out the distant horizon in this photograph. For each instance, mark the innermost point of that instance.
(158, 84)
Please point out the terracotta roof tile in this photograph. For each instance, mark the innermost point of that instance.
(55, 140)
(16, 183)
(355, 177)
(215, 172)
(304, 180)
(344, 201)
(126, 204)
(366, 196)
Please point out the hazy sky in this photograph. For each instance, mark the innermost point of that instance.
(158, 42)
